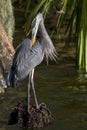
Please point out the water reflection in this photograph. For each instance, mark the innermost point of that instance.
(62, 88)
(82, 77)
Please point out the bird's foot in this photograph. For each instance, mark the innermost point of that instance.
(40, 105)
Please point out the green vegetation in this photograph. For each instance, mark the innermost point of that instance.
(77, 22)
(82, 37)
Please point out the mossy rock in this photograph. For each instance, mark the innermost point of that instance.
(35, 118)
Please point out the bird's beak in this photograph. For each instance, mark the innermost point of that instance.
(34, 33)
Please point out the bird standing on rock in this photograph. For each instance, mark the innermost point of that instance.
(30, 53)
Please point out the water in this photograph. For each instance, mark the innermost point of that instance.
(62, 88)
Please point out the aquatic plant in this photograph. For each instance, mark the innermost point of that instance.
(76, 11)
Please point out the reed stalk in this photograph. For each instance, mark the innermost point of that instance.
(82, 38)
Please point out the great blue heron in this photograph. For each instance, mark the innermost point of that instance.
(30, 53)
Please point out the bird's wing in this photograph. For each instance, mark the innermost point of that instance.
(26, 59)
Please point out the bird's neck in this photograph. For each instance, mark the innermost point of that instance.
(46, 42)
(43, 31)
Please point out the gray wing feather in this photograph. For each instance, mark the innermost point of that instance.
(27, 58)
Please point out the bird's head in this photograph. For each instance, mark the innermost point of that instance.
(35, 25)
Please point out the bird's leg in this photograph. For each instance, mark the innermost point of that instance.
(29, 91)
(32, 82)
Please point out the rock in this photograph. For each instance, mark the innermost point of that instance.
(2, 82)
(35, 118)
(6, 50)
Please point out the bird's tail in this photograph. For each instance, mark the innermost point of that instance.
(12, 81)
